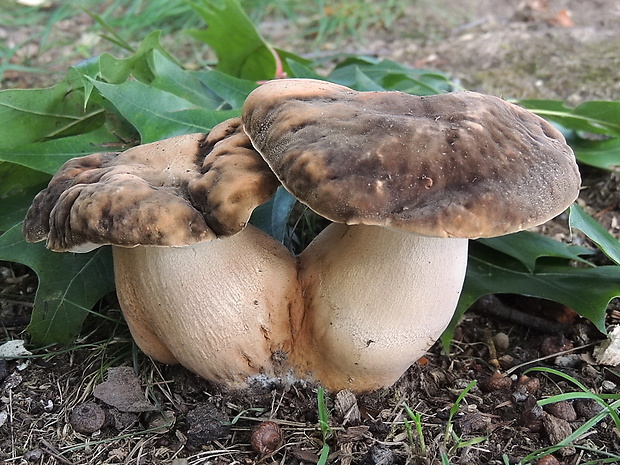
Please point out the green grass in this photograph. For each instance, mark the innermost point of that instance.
(452, 442)
(416, 417)
(611, 408)
(321, 19)
(326, 430)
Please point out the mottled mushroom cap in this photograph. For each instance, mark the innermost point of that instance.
(236, 179)
(451, 165)
(167, 193)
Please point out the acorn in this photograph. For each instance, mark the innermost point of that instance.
(267, 437)
(86, 418)
(525, 387)
(548, 460)
(495, 382)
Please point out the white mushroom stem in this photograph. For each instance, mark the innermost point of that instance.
(376, 300)
(222, 308)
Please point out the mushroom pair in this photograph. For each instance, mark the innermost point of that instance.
(405, 180)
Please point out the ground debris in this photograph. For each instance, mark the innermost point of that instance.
(354, 434)
(123, 391)
(206, 423)
(86, 418)
(473, 422)
(563, 410)
(304, 455)
(532, 415)
(608, 353)
(346, 408)
(587, 408)
(379, 454)
(524, 388)
(557, 430)
(13, 349)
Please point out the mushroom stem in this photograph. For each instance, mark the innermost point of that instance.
(225, 309)
(376, 300)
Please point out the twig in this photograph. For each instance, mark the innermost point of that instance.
(51, 450)
(564, 352)
(491, 305)
(13, 454)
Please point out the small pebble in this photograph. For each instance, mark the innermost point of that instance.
(473, 422)
(587, 408)
(179, 461)
(206, 423)
(525, 387)
(506, 361)
(379, 454)
(122, 420)
(33, 455)
(531, 415)
(501, 341)
(161, 420)
(608, 387)
(557, 430)
(568, 361)
(163, 441)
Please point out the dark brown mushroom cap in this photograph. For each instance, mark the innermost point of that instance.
(450, 165)
(236, 179)
(152, 194)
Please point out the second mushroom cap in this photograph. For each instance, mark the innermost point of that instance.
(450, 165)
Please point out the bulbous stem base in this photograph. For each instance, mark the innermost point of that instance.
(375, 301)
(354, 311)
(223, 308)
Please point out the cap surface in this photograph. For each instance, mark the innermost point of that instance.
(152, 194)
(451, 165)
(236, 179)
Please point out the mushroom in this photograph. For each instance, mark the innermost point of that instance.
(406, 180)
(196, 285)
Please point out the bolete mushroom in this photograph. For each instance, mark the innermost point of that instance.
(407, 180)
(195, 284)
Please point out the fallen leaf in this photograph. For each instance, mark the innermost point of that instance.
(123, 390)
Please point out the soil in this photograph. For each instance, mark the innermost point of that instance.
(80, 406)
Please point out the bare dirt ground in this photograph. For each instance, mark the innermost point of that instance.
(57, 409)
